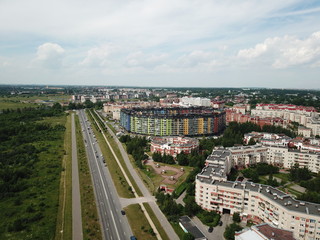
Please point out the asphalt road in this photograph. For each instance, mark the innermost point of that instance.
(161, 217)
(114, 225)
(76, 204)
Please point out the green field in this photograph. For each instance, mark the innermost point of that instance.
(14, 102)
(30, 174)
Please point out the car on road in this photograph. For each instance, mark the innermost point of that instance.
(210, 229)
(123, 212)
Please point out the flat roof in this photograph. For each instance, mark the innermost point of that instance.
(191, 228)
(274, 194)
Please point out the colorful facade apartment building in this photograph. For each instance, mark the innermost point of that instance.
(194, 121)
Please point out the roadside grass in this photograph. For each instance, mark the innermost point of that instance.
(138, 222)
(176, 227)
(116, 150)
(156, 222)
(64, 217)
(90, 219)
(119, 180)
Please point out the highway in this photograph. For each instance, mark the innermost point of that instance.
(114, 225)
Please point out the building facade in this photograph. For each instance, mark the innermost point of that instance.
(173, 145)
(195, 121)
(257, 202)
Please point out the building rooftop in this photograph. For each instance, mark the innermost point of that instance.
(189, 226)
(274, 194)
(264, 231)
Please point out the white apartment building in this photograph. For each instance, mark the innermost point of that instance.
(282, 156)
(257, 202)
(306, 116)
(247, 155)
(270, 139)
(191, 101)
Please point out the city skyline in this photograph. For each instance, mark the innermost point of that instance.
(161, 44)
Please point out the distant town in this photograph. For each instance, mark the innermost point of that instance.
(173, 163)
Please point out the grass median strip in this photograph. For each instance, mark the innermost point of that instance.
(122, 186)
(156, 222)
(90, 219)
(138, 222)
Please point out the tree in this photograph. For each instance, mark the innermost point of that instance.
(188, 236)
(230, 231)
(236, 217)
(251, 142)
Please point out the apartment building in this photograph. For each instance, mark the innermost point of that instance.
(257, 202)
(271, 139)
(246, 155)
(176, 121)
(173, 145)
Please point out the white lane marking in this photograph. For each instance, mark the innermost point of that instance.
(106, 194)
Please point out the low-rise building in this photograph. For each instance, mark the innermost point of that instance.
(173, 145)
(264, 231)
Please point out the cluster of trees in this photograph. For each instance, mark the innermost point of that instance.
(136, 147)
(195, 159)
(230, 231)
(30, 166)
(86, 104)
(299, 174)
(158, 157)
(254, 171)
(313, 190)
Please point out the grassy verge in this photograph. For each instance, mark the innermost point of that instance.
(64, 218)
(119, 180)
(138, 222)
(156, 222)
(90, 219)
(176, 227)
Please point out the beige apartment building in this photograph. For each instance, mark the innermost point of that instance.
(257, 202)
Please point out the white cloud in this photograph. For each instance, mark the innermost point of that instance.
(49, 55)
(283, 52)
(142, 60)
(98, 56)
(196, 58)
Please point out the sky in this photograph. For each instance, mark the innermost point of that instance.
(163, 43)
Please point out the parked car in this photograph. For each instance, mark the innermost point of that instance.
(123, 212)
(133, 238)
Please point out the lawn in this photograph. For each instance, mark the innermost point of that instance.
(138, 222)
